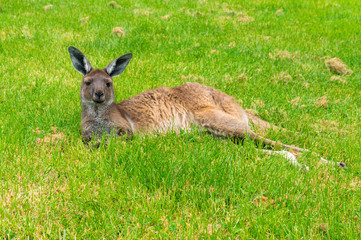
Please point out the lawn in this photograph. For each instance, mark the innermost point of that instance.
(269, 55)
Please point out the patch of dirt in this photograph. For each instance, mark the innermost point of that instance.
(337, 66)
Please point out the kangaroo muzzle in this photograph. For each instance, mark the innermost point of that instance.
(98, 96)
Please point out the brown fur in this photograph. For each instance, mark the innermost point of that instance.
(162, 109)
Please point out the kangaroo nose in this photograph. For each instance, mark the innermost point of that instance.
(99, 94)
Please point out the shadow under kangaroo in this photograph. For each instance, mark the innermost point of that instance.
(163, 109)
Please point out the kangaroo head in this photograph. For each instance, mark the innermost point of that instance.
(97, 85)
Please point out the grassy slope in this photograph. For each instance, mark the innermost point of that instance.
(179, 186)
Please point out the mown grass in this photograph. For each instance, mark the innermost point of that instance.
(187, 185)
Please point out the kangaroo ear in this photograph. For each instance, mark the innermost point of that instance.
(116, 67)
(80, 62)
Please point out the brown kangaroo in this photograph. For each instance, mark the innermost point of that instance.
(162, 109)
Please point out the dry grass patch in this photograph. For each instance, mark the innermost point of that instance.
(323, 227)
(337, 66)
(245, 19)
(282, 55)
(240, 16)
(327, 124)
(2, 35)
(306, 84)
(322, 102)
(193, 14)
(330, 126)
(338, 79)
(26, 32)
(114, 4)
(295, 101)
(233, 13)
(165, 17)
(258, 104)
(262, 201)
(211, 228)
(141, 12)
(251, 111)
(50, 138)
(242, 77)
(279, 12)
(84, 21)
(282, 77)
(232, 45)
(194, 78)
(48, 7)
(118, 32)
(355, 184)
(228, 78)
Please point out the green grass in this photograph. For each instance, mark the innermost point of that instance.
(186, 185)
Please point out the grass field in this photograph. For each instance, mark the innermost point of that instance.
(269, 55)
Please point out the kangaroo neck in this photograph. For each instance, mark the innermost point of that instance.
(91, 109)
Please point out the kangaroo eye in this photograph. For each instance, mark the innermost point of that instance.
(87, 83)
(108, 84)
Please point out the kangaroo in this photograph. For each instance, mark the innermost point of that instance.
(163, 109)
